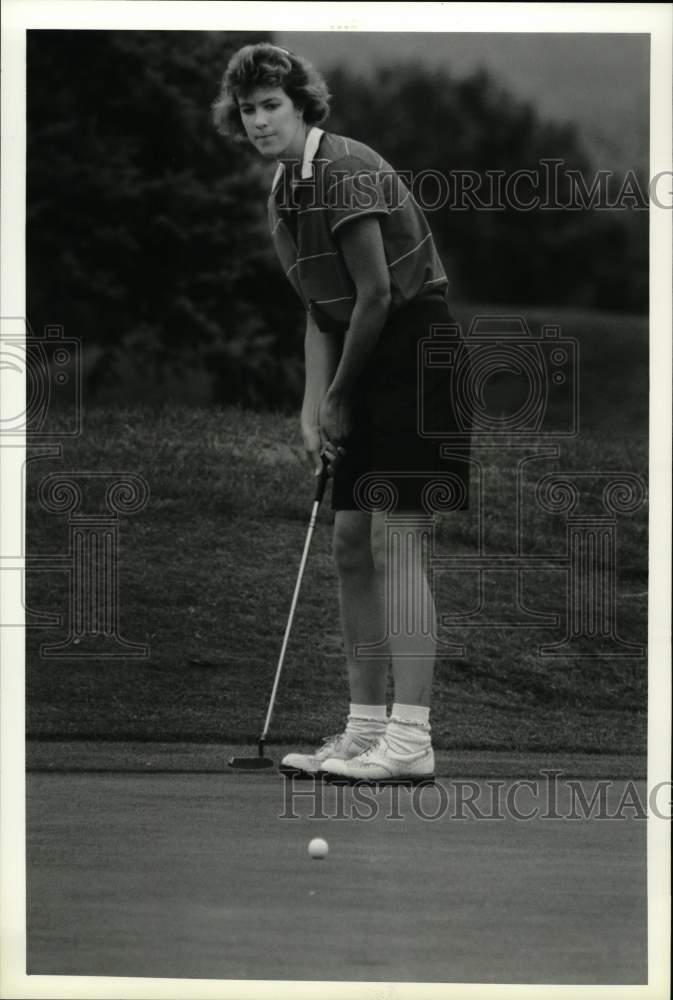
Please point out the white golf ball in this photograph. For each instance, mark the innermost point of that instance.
(318, 848)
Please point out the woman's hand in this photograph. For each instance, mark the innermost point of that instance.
(335, 421)
(310, 433)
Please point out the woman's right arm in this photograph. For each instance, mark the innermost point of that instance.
(321, 354)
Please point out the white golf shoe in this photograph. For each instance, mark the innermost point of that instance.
(340, 748)
(380, 764)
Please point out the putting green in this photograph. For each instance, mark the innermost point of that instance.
(208, 876)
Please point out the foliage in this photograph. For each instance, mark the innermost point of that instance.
(423, 120)
(147, 234)
(146, 231)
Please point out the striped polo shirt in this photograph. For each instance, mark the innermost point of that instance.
(342, 179)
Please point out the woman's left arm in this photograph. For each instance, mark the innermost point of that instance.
(361, 245)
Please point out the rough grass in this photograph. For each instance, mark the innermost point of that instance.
(207, 570)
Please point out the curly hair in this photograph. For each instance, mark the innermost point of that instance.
(267, 65)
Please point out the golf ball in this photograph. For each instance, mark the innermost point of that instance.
(318, 848)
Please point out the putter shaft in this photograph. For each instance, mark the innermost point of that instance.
(288, 627)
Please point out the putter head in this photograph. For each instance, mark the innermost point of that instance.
(250, 763)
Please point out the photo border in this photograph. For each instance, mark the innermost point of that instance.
(655, 19)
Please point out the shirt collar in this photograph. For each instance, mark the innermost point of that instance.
(313, 138)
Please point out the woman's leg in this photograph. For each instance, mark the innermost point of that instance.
(400, 547)
(403, 612)
(363, 607)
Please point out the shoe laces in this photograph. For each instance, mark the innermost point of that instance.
(334, 740)
(377, 745)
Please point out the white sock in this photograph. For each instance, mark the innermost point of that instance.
(411, 713)
(377, 712)
(367, 720)
(408, 728)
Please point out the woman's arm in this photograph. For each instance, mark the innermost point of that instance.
(321, 354)
(362, 248)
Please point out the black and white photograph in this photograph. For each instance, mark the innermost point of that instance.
(336, 550)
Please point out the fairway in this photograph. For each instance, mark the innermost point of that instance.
(207, 876)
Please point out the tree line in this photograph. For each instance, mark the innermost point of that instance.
(147, 234)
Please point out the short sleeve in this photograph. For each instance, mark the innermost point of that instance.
(353, 192)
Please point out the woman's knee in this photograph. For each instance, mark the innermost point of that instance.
(379, 543)
(406, 540)
(351, 542)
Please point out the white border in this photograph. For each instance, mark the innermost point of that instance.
(224, 16)
(659, 624)
(18, 15)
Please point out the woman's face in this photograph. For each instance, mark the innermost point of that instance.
(272, 123)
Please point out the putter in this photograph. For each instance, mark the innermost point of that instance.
(260, 761)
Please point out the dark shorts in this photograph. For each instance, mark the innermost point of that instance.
(410, 444)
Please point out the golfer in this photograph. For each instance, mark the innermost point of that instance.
(358, 251)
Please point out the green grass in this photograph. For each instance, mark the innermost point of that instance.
(207, 571)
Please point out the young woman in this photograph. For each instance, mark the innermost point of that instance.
(359, 253)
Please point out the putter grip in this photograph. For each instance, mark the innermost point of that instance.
(320, 483)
